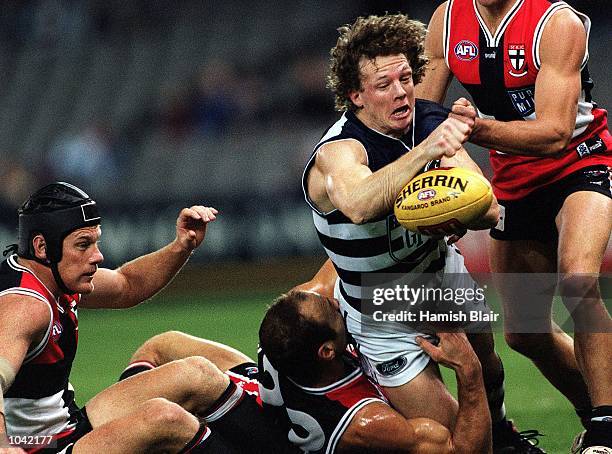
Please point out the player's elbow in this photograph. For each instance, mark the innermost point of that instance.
(559, 139)
(357, 214)
(358, 218)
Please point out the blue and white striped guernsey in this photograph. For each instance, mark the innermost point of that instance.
(381, 246)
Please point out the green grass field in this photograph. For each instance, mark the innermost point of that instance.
(107, 339)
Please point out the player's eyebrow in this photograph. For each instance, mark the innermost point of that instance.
(381, 78)
(89, 236)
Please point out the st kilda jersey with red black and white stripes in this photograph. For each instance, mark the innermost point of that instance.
(499, 70)
(316, 418)
(41, 400)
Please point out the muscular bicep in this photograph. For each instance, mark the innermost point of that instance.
(24, 322)
(342, 166)
(378, 428)
(437, 74)
(558, 84)
(109, 288)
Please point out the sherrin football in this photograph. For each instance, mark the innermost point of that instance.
(443, 200)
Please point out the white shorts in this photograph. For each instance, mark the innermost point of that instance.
(388, 350)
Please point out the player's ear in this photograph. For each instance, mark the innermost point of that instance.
(355, 97)
(40, 246)
(326, 351)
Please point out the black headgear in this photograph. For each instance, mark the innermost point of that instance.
(54, 211)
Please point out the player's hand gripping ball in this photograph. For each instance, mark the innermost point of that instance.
(443, 201)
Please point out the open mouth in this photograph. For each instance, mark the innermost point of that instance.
(401, 111)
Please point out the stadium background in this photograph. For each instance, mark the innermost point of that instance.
(154, 105)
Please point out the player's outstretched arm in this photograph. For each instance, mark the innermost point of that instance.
(341, 178)
(437, 76)
(140, 279)
(557, 89)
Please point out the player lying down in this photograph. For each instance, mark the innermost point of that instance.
(307, 388)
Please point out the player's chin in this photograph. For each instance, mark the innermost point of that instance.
(401, 122)
(84, 286)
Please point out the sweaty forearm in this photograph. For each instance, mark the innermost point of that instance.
(526, 138)
(148, 274)
(472, 432)
(375, 195)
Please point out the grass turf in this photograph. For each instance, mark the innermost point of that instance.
(107, 339)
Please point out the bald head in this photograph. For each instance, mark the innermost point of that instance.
(293, 330)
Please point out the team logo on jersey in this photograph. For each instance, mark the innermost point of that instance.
(516, 55)
(251, 371)
(466, 50)
(393, 367)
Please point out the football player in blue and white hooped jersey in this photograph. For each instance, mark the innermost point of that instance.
(383, 139)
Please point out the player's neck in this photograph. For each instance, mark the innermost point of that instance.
(330, 373)
(43, 273)
(493, 14)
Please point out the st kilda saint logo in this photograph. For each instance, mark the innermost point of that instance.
(516, 55)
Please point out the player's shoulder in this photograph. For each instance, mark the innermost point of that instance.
(428, 116)
(25, 311)
(439, 12)
(425, 107)
(346, 126)
(565, 18)
(563, 38)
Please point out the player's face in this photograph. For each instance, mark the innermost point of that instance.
(386, 99)
(80, 259)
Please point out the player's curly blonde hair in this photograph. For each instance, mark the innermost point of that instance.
(371, 37)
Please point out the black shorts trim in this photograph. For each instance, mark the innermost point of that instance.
(533, 216)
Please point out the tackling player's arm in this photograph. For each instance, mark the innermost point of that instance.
(23, 322)
(140, 279)
(323, 282)
(341, 179)
(378, 428)
(437, 77)
(463, 159)
(557, 89)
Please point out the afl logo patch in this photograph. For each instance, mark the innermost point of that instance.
(426, 194)
(466, 50)
(393, 367)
